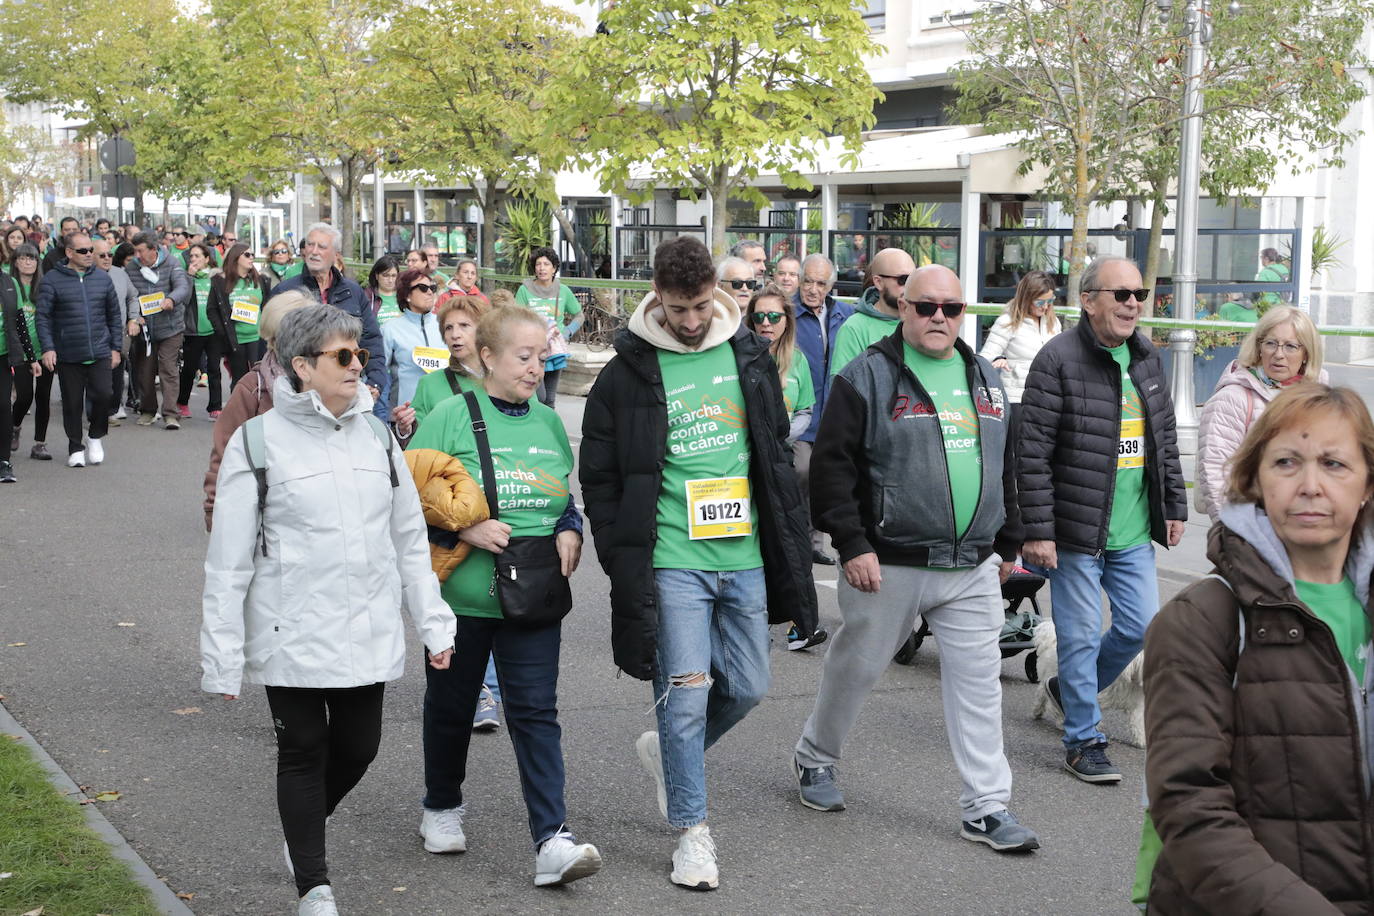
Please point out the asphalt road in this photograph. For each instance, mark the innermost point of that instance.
(85, 553)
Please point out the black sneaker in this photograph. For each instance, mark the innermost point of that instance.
(6, 472)
(1090, 764)
(1052, 688)
(795, 641)
(1001, 831)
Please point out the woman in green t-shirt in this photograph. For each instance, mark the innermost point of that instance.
(458, 318)
(207, 334)
(532, 460)
(380, 291)
(239, 292)
(543, 294)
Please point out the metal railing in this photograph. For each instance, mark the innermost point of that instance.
(636, 244)
(852, 250)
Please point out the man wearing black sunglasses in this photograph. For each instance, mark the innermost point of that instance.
(876, 316)
(912, 477)
(80, 325)
(737, 280)
(1099, 481)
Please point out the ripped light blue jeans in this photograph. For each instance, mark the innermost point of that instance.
(713, 624)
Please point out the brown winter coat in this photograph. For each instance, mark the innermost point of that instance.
(1259, 791)
(251, 397)
(452, 500)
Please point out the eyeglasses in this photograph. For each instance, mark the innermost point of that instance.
(1288, 348)
(106, 254)
(1121, 295)
(928, 309)
(741, 284)
(81, 250)
(424, 288)
(345, 355)
(179, 234)
(900, 278)
(767, 317)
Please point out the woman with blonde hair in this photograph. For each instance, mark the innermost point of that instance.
(1019, 332)
(1283, 349)
(1257, 679)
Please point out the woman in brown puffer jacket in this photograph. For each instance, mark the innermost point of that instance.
(1257, 680)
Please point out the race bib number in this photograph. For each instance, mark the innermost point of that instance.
(244, 311)
(150, 304)
(718, 508)
(430, 359)
(1130, 449)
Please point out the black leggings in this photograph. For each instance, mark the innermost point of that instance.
(25, 389)
(193, 349)
(326, 738)
(6, 427)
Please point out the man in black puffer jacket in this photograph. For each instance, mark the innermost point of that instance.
(1099, 479)
(698, 521)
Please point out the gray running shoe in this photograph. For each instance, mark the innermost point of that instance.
(817, 787)
(1090, 764)
(1001, 831)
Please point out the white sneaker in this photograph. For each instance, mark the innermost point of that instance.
(694, 860)
(652, 759)
(95, 451)
(76, 460)
(561, 860)
(121, 413)
(318, 901)
(443, 830)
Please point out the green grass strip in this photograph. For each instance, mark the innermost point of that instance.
(54, 860)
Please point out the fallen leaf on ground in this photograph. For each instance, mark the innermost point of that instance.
(6, 874)
(126, 623)
(185, 896)
(15, 737)
(37, 912)
(108, 796)
(398, 889)
(186, 710)
(86, 801)
(12, 646)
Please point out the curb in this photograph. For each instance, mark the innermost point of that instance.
(167, 902)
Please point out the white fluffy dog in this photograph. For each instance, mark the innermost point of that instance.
(1126, 694)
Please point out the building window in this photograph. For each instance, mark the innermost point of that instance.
(875, 14)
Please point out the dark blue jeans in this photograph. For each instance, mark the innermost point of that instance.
(527, 668)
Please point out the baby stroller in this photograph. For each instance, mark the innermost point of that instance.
(1018, 632)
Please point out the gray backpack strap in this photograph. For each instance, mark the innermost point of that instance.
(255, 447)
(1240, 624)
(384, 436)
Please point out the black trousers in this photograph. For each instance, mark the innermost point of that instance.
(326, 739)
(242, 359)
(35, 393)
(78, 381)
(192, 349)
(6, 418)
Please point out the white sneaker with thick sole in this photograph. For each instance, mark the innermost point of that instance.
(318, 901)
(651, 757)
(443, 830)
(694, 860)
(95, 451)
(120, 414)
(561, 860)
(76, 460)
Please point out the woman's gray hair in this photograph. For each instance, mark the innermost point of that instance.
(335, 236)
(732, 261)
(303, 332)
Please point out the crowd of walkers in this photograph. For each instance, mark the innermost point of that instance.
(391, 448)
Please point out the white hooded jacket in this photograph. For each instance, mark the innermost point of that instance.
(346, 552)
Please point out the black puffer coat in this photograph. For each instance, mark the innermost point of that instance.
(624, 444)
(1069, 427)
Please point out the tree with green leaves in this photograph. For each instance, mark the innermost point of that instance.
(708, 96)
(468, 80)
(30, 160)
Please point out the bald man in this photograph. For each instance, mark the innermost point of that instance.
(912, 477)
(875, 317)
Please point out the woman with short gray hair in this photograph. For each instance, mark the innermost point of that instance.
(318, 543)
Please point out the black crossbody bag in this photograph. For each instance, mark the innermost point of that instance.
(528, 580)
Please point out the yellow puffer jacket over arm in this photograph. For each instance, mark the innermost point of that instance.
(451, 500)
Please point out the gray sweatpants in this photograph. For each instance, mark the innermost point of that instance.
(964, 610)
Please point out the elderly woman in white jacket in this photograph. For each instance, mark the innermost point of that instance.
(1018, 333)
(306, 576)
(1282, 350)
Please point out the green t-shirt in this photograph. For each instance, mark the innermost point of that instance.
(434, 389)
(857, 334)
(203, 326)
(532, 460)
(798, 392)
(1129, 525)
(247, 296)
(30, 312)
(560, 309)
(1339, 608)
(1234, 311)
(389, 309)
(947, 382)
(708, 453)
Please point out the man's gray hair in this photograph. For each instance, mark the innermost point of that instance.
(743, 245)
(148, 239)
(818, 258)
(733, 261)
(335, 236)
(1089, 279)
(304, 331)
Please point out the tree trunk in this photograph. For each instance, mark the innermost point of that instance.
(139, 215)
(584, 265)
(1158, 199)
(231, 216)
(720, 210)
(489, 199)
(166, 213)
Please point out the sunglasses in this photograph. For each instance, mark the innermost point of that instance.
(928, 309)
(424, 288)
(767, 317)
(742, 284)
(900, 278)
(107, 254)
(1122, 295)
(345, 355)
(277, 251)
(81, 250)
(179, 235)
